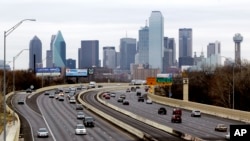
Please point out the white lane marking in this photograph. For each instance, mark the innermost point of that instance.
(45, 121)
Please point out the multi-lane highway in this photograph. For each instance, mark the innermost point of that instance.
(202, 127)
(59, 117)
(154, 132)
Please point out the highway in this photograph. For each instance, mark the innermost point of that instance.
(202, 127)
(160, 135)
(60, 118)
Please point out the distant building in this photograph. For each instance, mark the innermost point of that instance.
(88, 54)
(237, 40)
(71, 63)
(59, 51)
(109, 57)
(140, 73)
(185, 47)
(7, 67)
(127, 52)
(156, 34)
(143, 46)
(35, 53)
(49, 54)
(169, 53)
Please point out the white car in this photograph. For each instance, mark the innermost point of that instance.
(227, 136)
(72, 100)
(80, 129)
(149, 101)
(42, 132)
(196, 113)
(80, 115)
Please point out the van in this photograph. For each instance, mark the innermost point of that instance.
(92, 84)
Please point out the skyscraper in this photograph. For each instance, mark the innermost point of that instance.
(59, 51)
(71, 63)
(213, 48)
(185, 42)
(169, 53)
(127, 52)
(185, 47)
(237, 40)
(109, 57)
(35, 53)
(143, 45)
(156, 33)
(88, 54)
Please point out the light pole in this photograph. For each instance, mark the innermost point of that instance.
(6, 33)
(14, 58)
(233, 84)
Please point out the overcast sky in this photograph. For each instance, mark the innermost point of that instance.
(110, 20)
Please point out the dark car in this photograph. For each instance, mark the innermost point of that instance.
(138, 93)
(140, 99)
(176, 119)
(177, 111)
(125, 102)
(88, 121)
(20, 101)
(79, 107)
(162, 111)
(133, 89)
(221, 128)
(46, 93)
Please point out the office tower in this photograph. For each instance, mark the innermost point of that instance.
(89, 54)
(127, 52)
(213, 48)
(169, 53)
(143, 45)
(59, 51)
(185, 47)
(49, 54)
(237, 40)
(118, 58)
(109, 57)
(156, 33)
(71, 63)
(35, 53)
(185, 42)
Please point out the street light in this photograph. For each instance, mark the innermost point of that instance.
(14, 58)
(6, 33)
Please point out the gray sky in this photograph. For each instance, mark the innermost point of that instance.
(110, 20)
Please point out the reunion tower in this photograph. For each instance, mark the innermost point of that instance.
(237, 40)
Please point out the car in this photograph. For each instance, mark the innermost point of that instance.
(72, 99)
(162, 111)
(138, 93)
(177, 111)
(80, 115)
(128, 90)
(46, 93)
(69, 95)
(28, 90)
(61, 94)
(176, 119)
(80, 129)
(227, 136)
(123, 96)
(20, 101)
(149, 101)
(79, 107)
(125, 102)
(42, 132)
(140, 99)
(51, 95)
(221, 128)
(89, 121)
(133, 89)
(112, 94)
(196, 113)
(120, 99)
(61, 98)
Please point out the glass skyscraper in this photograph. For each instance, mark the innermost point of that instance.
(35, 53)
(59, 51)
(109, 57)
(185, 42)
(143, 44)
(127, 52)
(156, 35)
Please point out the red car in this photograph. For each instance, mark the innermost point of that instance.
(177, 111)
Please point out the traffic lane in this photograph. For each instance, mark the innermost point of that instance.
(158, 134)
(201, 127)
(66, 120)
(34, 119)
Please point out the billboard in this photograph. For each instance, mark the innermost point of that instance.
(48, 71)
(76, 72)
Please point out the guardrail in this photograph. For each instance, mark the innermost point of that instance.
(209, 109)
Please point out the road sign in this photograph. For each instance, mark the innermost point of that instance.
(151, 81)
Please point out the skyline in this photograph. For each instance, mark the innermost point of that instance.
(210, 20)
